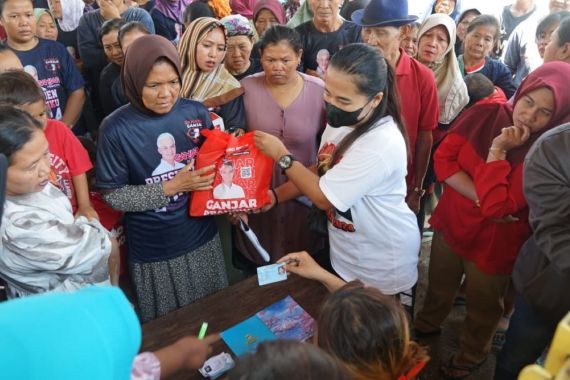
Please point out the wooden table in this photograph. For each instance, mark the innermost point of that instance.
(227, 308)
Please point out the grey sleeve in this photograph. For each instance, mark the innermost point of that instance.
(512, 53)
(547, 189)
(90, 49)
(137, 198)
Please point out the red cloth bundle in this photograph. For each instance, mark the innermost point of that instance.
(243, 175)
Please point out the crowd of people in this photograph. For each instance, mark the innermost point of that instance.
(372, 116)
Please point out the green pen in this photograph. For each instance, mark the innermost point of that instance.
(203, 330)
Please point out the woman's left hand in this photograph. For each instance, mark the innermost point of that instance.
(413, 201)
(270, 145)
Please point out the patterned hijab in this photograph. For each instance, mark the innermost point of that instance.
(197, 84)
(138, 63)
(451, 88)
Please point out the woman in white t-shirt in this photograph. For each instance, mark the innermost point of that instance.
(360, 178)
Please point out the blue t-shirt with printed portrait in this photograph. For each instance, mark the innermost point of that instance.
(138, 149)
(54, 68)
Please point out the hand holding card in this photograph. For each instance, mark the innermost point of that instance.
(271, 273)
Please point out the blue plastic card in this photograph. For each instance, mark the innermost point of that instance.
(271, 273)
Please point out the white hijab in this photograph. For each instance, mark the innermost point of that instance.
(71, 12)
(451, 88)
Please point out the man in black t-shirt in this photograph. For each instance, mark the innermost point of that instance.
(326, 31)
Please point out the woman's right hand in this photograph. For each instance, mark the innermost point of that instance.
(188, 180)
(510, 138)
(302, 264)
(109, 10)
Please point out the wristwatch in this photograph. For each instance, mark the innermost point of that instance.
(285, 162)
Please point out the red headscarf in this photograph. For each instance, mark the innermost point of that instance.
(480, 124)
(243, 7)
(273, 6)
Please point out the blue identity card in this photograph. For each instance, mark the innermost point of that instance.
(271, 273)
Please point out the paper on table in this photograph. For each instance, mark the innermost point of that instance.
(253, 239)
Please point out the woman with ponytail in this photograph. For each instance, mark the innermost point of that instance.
(360, 180)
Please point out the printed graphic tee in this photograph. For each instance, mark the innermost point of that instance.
(68, 158)
(138, 149)
(54, 69)
(373, 234)
(315, 44)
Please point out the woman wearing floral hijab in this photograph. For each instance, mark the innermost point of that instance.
(202, 50)
(238, 60)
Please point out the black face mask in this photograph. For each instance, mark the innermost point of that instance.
(337, 118)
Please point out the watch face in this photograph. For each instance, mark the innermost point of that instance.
(285, 162)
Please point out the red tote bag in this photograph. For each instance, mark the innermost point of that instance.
(243, 175)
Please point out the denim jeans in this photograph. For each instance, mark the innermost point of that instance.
(527, 336)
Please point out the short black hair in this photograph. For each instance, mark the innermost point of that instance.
(284, 359)
(279, 33)
(3, 3)
(553, 18)
(196, 10)
(228, 163)
(478, 87)
(467, 12)
(564, 31)
(16, 130)
(129, 27)
(110, 26)
(19, 88)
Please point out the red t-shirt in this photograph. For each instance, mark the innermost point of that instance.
(112, 220)
(470, 230)
(68, 158)
(418, 101)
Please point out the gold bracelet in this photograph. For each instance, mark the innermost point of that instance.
(499, 149)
